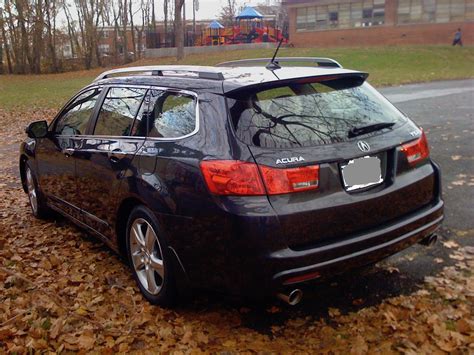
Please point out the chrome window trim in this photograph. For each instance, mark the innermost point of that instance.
(148, 87)
(196, 119)
(67, 106)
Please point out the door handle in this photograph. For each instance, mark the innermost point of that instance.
(68, 152)
(116, 155)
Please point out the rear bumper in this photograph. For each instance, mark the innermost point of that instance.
(321, 261)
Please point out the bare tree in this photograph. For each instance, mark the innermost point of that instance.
(32, 37)
(179, 29)
(228, 13)
(51, 14)
(166, 12)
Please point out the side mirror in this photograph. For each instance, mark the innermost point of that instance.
(38, 129)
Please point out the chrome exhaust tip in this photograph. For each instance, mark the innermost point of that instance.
(429, 240)
(292, 298)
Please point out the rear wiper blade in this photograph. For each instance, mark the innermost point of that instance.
(358, 131)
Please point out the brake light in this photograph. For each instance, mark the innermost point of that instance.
(417, 150)
(233, 177)
(282, 181)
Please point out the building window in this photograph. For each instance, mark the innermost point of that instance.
(356, 14)
(104, 34)
(104, 48)
(440, 11)
(322, 17)
(301, 19)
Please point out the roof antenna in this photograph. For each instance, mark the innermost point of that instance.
(273, 64)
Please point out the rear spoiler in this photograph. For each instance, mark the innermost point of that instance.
(340, 81)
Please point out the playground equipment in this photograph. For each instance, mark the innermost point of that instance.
(250, 27)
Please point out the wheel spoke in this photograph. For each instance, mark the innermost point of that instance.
(31, 190)
(150, 239)
(157, 265)
(137, 258)
(150, 279)
(138, 234)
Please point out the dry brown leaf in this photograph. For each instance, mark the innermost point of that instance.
(56, 328)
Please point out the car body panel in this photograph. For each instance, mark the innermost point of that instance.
(56, 172)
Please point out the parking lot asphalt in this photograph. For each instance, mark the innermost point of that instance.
(446, 111)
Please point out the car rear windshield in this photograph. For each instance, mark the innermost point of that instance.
(309, 112)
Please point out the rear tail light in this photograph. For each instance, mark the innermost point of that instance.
(282, 181)
(417, 150)
(233, 177)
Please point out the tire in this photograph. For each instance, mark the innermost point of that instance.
(37, 201)
(150, 259)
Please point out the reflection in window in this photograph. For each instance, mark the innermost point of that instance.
(76, 117)
(169, 115)
(118, 111)
(303, 115)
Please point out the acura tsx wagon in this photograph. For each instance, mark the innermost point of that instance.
(240, 178)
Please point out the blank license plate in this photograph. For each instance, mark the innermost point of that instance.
(361, 172)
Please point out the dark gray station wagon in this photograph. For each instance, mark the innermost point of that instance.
(241, 178)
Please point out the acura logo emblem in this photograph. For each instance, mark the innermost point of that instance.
(363, 145)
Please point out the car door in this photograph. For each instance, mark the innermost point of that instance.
(56, 153)
(105, 155)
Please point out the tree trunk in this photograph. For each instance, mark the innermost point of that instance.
(132, 31)
(165, 9)
(2, 42)
(179, 29)
(51, 7)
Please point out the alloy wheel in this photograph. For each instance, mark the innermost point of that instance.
(32, 194)
(147, 257)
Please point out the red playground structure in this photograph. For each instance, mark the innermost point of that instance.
(250, 28)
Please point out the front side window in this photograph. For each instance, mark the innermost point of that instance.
(118, 111)
(308, 113)
(170, 115)
(75, 119)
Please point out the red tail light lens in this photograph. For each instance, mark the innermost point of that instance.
(282, 181)
(232, 177)
(417, 150)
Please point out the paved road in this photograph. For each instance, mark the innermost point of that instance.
(446, 111)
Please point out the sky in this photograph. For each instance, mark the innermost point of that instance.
(210, 9)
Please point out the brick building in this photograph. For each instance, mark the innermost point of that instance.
(376, 22)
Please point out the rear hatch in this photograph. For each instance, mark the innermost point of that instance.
(337, 145)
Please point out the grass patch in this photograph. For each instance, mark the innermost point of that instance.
(386, 65)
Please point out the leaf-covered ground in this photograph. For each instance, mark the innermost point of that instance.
(62, 290)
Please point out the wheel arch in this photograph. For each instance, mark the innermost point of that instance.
(123, 212)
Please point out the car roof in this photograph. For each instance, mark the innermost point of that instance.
(245, 77)
(215, 79)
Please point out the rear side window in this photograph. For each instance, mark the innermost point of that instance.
(118, 111)
(75, 119)
(169, 115)
(307, 114)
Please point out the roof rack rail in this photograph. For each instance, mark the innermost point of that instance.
(322, 62)
(202, 72)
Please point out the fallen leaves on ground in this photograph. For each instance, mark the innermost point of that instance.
(61, 290)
